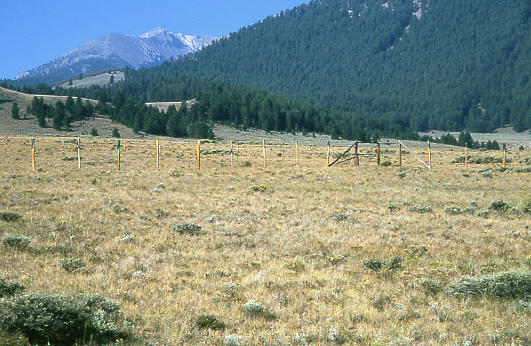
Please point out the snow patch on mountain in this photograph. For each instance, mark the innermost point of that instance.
(118, 50)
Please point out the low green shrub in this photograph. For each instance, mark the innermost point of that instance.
(188, 228)
(520, 169)
(508, 285)
(421, 209)
(377, 265)
(454, 210)
(373, 264)
(16, 242)
(259, 188)
(526, 205)
(9, 289)
(498, 205)
(430, 286)
(253, 308)
(209, 322)
(72, 264)
(63, 320)
(10, 216)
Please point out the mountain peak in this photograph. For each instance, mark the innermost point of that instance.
(118, 50)
(155, 32)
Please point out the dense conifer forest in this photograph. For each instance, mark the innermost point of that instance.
(354, 69)
(448, 65)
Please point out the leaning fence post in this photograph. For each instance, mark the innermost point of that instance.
(33, 153)
(78, 153)
(504, 155)
(400, 153)
(118, 158)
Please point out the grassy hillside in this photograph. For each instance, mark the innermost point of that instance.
(101, 78)
(285, 255)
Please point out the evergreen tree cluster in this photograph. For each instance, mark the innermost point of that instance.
(185, 122)
(60, 114)
(463, 140)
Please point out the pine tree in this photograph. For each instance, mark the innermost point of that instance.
(15, 112)
(115, 133)
(58, 115)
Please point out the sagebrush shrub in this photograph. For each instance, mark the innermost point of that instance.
(373, 264)
(63, 320)
(9, 289)
(188, 228)
(209, 322)
(526, 205)
(9, 216)
(72, 264)
(253, 308)
(498, 205)
(508, 285)
(430, 286)
(421, 209)
(15, 242)
(454, 210)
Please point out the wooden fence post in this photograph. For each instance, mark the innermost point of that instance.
(33, 154)
(198, 154)
(328, 154)
(297, 153)
(118, 156)
(356, 156)
(158, 155)
(466, 156)
(504, 155)
(231, 154)
(264, 146)
(378, 150)
(63, 140)
(429, 155)
(399, 153)
(237, 151)
(78, 153)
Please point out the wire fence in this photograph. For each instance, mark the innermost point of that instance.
(52, 153)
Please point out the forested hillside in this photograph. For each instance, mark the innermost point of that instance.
(433, 64)
(215, 101)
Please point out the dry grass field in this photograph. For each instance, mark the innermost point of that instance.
(285, 255)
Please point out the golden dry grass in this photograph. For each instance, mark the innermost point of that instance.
(290, 238)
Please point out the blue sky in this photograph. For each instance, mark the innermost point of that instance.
(34, 32)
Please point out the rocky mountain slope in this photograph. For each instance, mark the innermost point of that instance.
(117, 50)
